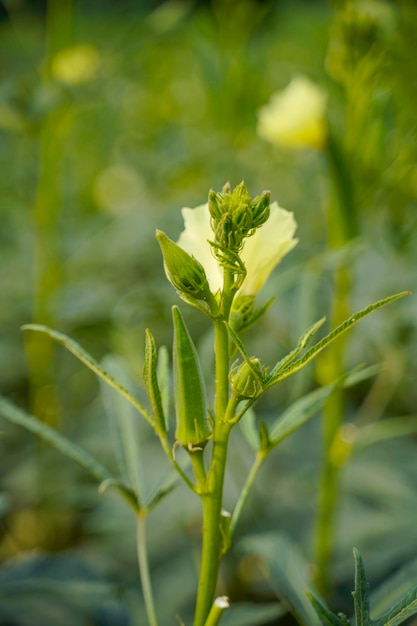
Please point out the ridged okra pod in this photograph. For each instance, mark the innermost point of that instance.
(190, 396)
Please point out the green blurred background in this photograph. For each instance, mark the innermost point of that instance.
(113, 116)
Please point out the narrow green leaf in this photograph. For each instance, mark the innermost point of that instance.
(248, 427)
(397, 586)
(79, 455)
(245, 614)
(304, 340)
(166, 486)
(124, 425)
(92, 364)
(326, 341)
(306, 407)
(327, 618)
(360, 595)
(386, 429)
(400, 611)
(150, 379)
(285, 570)
(299, 413)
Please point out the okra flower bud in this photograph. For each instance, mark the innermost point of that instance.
(260, 209)
(183, 271)
(247, 379)
(190, 397)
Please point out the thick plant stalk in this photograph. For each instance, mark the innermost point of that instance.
(212, 496)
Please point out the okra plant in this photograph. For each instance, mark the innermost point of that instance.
(228, 249)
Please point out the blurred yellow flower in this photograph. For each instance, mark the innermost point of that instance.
(261, 252)
(76, 65)
(296, 116)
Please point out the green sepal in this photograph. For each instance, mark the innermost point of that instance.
(190, 397)
(150, 379)
(183, 271)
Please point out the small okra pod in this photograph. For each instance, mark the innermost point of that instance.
(151, 381)
(190, 396)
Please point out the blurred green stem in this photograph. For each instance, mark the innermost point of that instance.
(342, 226)
(46, 215)
(144, 567)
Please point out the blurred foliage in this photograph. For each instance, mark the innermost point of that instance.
(112, 117)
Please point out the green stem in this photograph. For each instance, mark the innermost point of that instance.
(219, 606)
(197, 460)
(167, 449)
(259, 460)
(144, 568)
(213, 496)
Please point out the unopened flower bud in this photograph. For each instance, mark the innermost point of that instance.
(183, 271)
(260, 209)
(247, 379)
(215, 204)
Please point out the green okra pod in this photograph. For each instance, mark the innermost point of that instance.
(151, 381)
(190, 396)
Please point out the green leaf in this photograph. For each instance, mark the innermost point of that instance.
(79, 455)
(327, 618)
(167, 485)
(360, 595)
(386, 429)
(306, 407)
(304, 340)
(248, 427)
(245, 614)
(284, 568)
(394, 587)
(299, 413)
(124, 425)
(326, 341)
(400, 611)
(92, 364)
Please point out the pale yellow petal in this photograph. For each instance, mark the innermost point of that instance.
(264, 250)
(296, 116)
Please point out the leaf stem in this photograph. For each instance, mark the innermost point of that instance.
(259, 460)
(144, 567)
